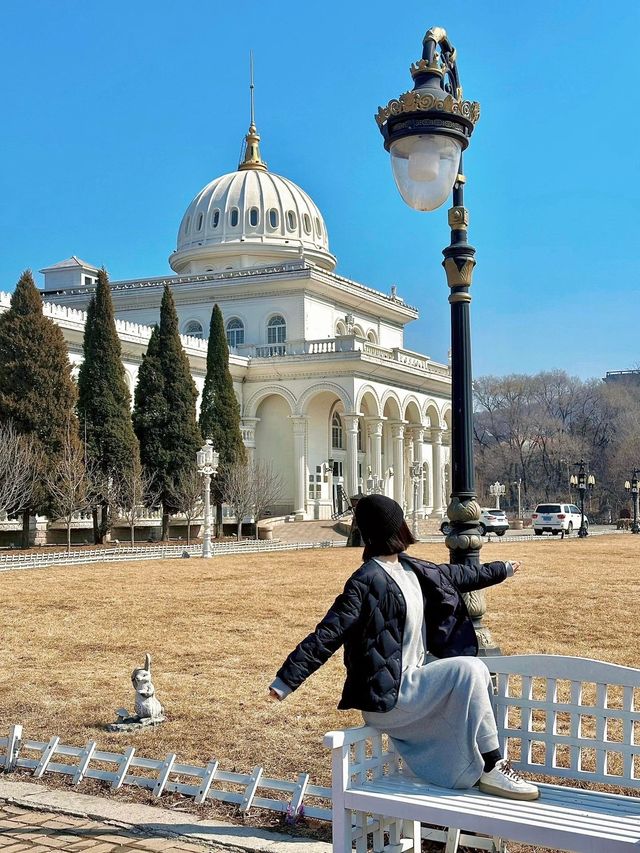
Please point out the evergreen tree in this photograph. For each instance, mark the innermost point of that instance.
(220, 410)
(37, 393)
(104, 401)
(165, 414)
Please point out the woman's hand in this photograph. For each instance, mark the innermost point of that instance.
(517, 564)
(273, 694)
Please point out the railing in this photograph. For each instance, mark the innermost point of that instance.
(10, 562)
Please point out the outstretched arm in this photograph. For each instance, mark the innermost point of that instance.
(317, 647)
(467, 578)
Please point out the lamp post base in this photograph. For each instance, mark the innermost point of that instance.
(582, 532)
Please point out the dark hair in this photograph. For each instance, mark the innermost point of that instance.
(396, 543)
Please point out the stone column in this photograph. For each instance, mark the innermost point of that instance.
(397, 432)
(248, 430)
(374, 428)
(438, 502)
(351, 474)
(299, 465)
(417, 434)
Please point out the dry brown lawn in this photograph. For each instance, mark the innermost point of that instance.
(219, 630)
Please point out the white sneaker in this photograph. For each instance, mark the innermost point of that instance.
(503, 781)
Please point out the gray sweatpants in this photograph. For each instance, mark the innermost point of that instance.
(443, 721)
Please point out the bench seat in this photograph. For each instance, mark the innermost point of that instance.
(563, 818)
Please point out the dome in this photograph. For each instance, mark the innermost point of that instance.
(250, 218)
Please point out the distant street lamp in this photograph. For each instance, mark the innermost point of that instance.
(632, 486)
(207, 462)
(497, 490)
(416, 470)
(582, 481)
(518, 484)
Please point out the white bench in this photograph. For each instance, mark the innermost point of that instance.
(565, 717)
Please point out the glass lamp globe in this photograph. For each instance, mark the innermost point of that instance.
(425, 168)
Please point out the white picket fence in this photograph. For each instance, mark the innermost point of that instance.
(161, 775)
(9, 562)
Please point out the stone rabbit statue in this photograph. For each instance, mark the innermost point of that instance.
(147, 706)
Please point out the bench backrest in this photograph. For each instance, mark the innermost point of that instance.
(569, 717)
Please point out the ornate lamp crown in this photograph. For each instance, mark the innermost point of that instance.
(437, 88)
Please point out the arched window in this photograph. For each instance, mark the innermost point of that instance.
(215, 218)
(291, 220)
(371, 336)
(276, 330)
(273, 218)
(200, 221)
(357, 331)
(235, 332)
(253, 216)
(341, 329)
(306, 221)
(336, 431)
(234, 217)
(318, 227)
(194, 329)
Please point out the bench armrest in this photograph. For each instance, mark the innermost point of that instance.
(345, 737)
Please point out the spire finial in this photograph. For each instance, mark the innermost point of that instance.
(252, 158)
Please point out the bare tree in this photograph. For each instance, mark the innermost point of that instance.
(188, 497)
(238, 489)
(136, 492)
(268, 487)
(19, 466)
(70, 483)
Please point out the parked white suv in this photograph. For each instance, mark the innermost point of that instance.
(493, 521)
(555, 518)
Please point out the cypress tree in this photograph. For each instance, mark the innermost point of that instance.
(37, 392)
(220, 410)
(104, 402)
(165, 413)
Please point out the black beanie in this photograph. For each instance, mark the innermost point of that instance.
(378, 518)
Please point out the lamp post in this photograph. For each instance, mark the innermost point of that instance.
(425, 131)
(497, 490)
(582, 481)
(207, 462)
(518, 483)
(632, 486)
(416, 470)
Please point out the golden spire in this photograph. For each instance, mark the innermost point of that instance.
(252, 158)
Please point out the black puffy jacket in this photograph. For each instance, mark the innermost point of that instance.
(368, 618)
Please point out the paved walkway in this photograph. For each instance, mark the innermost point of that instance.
(37, 819)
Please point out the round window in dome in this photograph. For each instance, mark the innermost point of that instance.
(200, 221)
(273, 218)
(215, 218)
(234, 217)
(253, 216)
(306, 221)
(291, 220)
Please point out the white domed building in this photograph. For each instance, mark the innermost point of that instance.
(327, 391)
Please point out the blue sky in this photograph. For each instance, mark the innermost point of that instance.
(115, 114)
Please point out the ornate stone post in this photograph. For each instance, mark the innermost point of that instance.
(351, 428)
(299, 464)
(397, 432)
(417, 433)
(248, 429)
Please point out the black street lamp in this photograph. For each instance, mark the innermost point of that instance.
(582, 481)
(633, 488)
(425, 131)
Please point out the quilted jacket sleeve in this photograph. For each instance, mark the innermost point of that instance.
(468, 578)
(329, 635)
